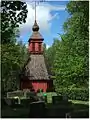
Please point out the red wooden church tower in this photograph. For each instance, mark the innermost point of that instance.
(35, 75)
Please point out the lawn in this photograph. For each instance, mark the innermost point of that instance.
(80, 102)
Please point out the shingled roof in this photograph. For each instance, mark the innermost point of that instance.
(36, 35)
(36, 68)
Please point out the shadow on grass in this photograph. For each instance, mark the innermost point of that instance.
(79, 111)
(50, 111)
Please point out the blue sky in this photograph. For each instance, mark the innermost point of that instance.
(50, 18)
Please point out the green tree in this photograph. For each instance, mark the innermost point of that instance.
(13, 54)
(71, 63)
(68, 59)
(13, 58)
(13, 13)
(50, 54)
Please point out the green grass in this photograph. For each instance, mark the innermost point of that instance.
(80, 102)
(50, 94)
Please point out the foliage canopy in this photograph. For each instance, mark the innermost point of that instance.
(69, 57)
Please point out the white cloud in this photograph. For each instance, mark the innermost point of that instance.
(53, 7)
(44, 17)
(26, 45)
(47, 46)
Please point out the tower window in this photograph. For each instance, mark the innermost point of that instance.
(33, 46)
(39, 46)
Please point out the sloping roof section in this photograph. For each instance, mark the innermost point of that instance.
(36, 68)
(36, 35)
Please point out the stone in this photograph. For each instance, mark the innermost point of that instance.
(37, 109)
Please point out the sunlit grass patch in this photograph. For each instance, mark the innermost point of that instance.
(79, 102)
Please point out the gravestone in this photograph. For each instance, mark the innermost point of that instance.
(9, 102)
(5, 102)
(65, 98)
(57, 99)
(37, 109)
(25, 102)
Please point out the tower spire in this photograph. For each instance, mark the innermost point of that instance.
(35, 10)
(35, 26)
(36, 39)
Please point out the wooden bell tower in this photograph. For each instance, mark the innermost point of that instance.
(36, 74)
(35, 41)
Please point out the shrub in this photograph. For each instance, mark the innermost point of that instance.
(56, 99)
(76, 93)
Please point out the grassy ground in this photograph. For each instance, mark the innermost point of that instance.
(53, 110)
(9, 112)
(80, 102)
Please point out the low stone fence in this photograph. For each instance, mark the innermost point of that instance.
(19, 94)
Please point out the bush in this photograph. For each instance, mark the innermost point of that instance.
(56, 99)
(75, 93)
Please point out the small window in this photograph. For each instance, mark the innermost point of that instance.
(39, 46)
(33, 46)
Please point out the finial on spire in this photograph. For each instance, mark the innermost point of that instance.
(35, 26)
